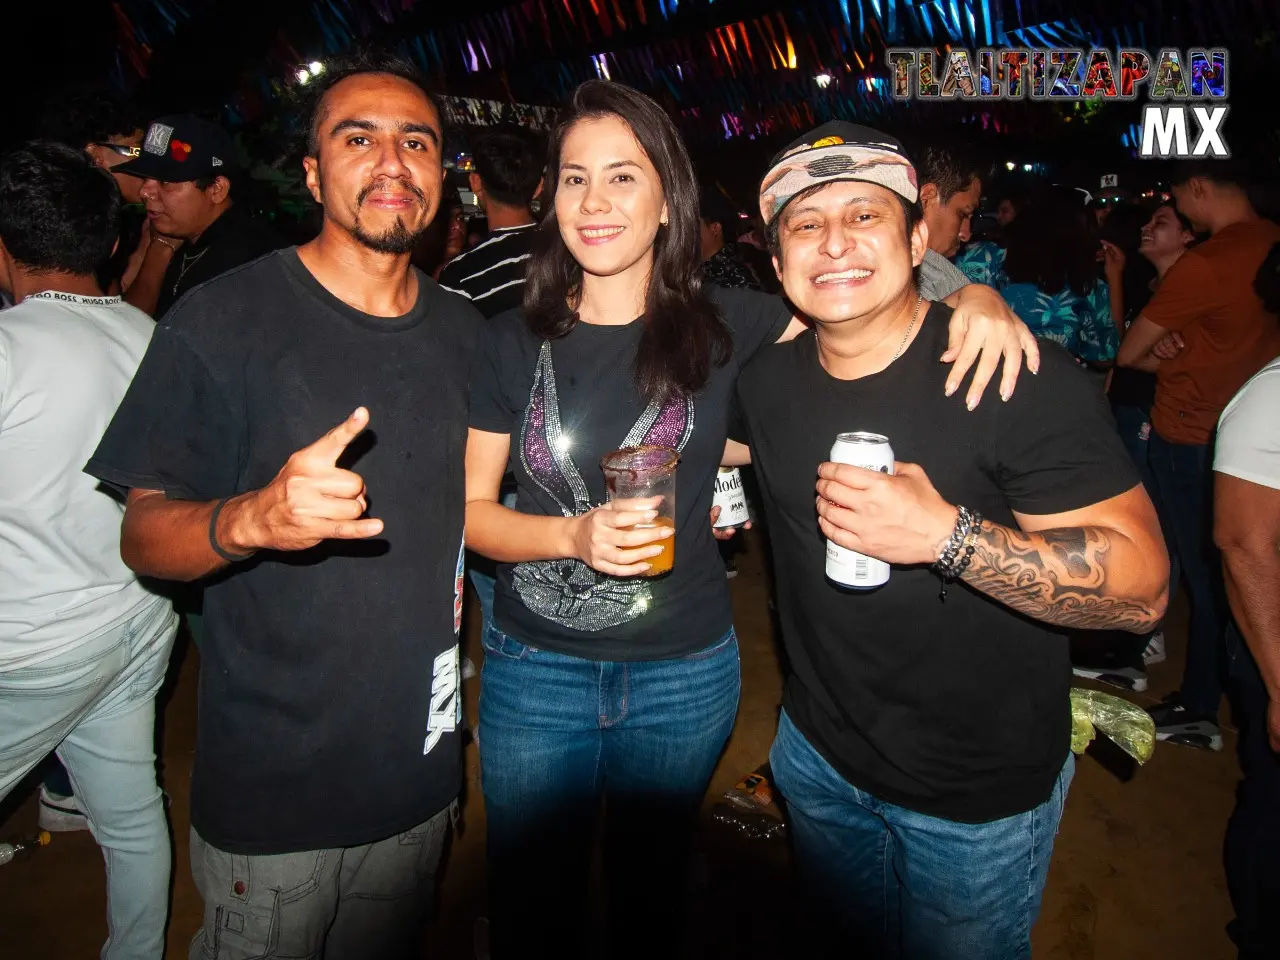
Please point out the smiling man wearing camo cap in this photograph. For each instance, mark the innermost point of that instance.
(923, 745)
(938, 277)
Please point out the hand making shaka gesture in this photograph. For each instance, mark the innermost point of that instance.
(311, 499)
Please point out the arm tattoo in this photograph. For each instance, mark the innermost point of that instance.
(1056, 576)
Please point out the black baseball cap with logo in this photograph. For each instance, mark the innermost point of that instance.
(181, 148)
(837, 150)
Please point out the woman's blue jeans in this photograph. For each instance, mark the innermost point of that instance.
(559, 734)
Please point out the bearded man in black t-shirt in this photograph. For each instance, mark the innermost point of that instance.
(328, 754)
(924, 744)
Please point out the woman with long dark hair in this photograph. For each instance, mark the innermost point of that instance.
(1051, 269)
(600, 683)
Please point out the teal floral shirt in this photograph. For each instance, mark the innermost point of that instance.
(1082, 324)
(983, 262)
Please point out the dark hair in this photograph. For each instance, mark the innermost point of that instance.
(1233, 172)
(1267, 283)
(1184, 222)
(1052, 244)
(911, 213)
(80, 116)
(58, 209)
(715, 207)
(1124, 226)
(509, 162)
(949, 167)
(230, 174)
(683, 334)
(1015, 193)
(366, 60)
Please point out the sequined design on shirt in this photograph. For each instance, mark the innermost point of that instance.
(569, 592)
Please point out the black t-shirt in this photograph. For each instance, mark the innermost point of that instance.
(585, 405)
(231, 241)
(958, 710)
(329, 707)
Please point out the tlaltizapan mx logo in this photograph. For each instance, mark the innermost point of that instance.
(1173, 123)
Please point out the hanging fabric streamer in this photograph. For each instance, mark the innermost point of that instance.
(541, 46)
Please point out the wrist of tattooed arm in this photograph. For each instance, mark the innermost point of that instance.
(1067, 577)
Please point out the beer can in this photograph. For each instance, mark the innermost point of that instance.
(870, 451)
(730, 498)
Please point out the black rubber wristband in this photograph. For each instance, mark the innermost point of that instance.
(213, 535)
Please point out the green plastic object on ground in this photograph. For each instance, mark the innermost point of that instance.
(1128, 725)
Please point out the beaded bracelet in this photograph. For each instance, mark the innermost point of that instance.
(959, 549)
(970, 544)
(949, 550)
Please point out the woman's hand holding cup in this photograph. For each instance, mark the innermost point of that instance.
(614, 538)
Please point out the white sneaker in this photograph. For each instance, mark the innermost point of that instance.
(59, 814)
(1126, 678)
(1154, 653)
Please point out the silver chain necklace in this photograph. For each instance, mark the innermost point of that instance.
(182, 271)
(906, 336)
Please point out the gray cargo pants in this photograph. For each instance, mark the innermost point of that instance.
(351, 903)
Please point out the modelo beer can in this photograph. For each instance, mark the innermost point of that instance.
(730, 498)
(870, 451)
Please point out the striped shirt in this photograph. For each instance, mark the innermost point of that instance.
(491, 274)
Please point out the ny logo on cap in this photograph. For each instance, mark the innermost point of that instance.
(158, 136)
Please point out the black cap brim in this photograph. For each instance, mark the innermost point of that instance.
(148, 166)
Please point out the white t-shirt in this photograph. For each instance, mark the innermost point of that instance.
(65, 363)
(1248, 443)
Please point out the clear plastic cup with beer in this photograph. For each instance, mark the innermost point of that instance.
(641, 473)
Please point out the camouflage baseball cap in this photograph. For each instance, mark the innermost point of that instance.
(836, 151)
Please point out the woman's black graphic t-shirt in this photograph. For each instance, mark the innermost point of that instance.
(567, 403)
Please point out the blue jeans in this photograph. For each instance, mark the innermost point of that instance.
(558, 734)
(96, 706)
(1184, 476)
(886, 881)
(1134, 426)
(485, 585)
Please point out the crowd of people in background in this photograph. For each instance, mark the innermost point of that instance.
(284, 445)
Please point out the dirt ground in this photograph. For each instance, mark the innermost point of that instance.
(1137, 870)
